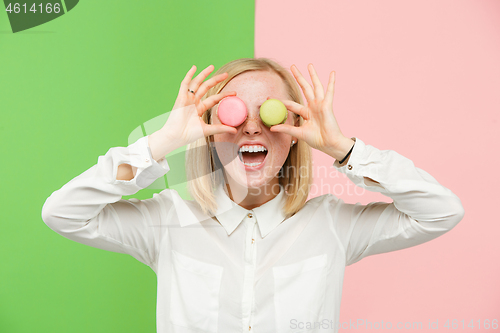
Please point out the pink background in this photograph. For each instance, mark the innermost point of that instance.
(422, 79)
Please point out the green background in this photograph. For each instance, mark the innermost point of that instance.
(70, 89)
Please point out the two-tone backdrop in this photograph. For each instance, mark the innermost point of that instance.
(418, 77)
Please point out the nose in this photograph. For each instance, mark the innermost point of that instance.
(252, 125)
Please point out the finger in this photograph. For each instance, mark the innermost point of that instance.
(319, 91)
(209, 84)
(218, 129)
(296, 108)
(288, 129)
(306, 88)
(330, 90)
(185, 82)
(212, 100)
(200, 77)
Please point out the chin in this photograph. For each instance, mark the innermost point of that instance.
(249, 182)
(257, 183)
(250, 179)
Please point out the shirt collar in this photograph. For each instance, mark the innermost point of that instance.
(230, 214)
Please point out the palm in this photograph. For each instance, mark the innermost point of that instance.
(184, 123)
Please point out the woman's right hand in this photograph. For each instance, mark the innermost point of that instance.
(184, 124)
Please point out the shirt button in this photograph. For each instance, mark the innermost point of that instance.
(349, 167)
(147, 159)
(249, 328)
(253, 240)
(250, 215)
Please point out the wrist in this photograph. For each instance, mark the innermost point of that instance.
(160, 145)
(341, 150)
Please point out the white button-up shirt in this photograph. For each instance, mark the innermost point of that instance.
(250, 270)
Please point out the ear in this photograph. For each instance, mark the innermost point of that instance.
(297, 121)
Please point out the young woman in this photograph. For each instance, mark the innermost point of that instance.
(249, 253)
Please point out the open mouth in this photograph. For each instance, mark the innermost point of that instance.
(252, 156)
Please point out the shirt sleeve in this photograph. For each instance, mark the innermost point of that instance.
(422, 209)
(89, 209)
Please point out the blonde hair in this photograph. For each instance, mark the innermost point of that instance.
(202, 161)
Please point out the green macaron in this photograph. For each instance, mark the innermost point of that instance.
(273, 112)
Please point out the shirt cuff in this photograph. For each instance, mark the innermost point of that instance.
(138, 154)
(358, 166)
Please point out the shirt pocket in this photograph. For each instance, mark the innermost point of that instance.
(194, 301)
(299, 291)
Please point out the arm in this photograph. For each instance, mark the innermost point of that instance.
(89, 208)
(158, 150)
(422, 209)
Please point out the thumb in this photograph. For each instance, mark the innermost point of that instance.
(287, 129)
(219, 129)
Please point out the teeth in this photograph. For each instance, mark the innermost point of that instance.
(252, 164)
(252, 149)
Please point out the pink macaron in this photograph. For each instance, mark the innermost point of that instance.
(232, 111)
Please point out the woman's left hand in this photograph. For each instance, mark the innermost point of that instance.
(319, 129)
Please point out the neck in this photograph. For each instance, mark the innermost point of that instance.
(250, 198)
